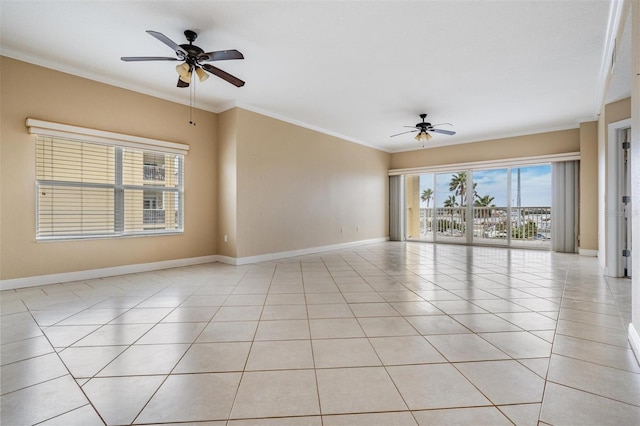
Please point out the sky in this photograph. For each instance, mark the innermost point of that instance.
(535, 186)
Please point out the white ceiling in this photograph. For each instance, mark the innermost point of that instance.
(357, 69)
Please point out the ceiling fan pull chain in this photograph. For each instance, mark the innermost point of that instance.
(192, 101)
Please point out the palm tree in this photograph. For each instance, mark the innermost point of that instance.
(450, 202)
(427, 194)
(459, 185)
(484, 201)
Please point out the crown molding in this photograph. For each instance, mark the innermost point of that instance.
(614, 21)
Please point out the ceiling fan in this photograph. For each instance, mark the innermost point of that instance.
(194, 58)
(423, 128)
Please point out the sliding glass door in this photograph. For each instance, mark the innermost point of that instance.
(491, 224)
(436, 207)
(450, 213)
(531, 206)
(507, 206)
(420, 200)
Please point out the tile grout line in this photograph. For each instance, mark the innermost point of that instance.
(178, 361)
(372, 256)
(244, 369)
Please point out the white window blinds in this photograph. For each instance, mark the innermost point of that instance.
(564, 206)
(396, 205)
(87, 189)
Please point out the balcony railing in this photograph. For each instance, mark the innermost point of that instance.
(527, 225)
(153, 216)
(153, 172)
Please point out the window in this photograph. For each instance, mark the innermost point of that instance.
(508, 206)
(97, 189)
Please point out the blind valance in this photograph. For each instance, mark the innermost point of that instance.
(66, 131)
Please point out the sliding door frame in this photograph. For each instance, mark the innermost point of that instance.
(470, 167)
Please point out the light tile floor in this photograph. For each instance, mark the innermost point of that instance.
(385, 334)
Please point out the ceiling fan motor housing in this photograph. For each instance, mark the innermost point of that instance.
(192, 50)
(423, 125)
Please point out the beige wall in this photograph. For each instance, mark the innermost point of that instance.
(36, 92)
(497, 149)
(227, 169)
(588, 184)
(617, 111)
(298, 188)
(602, 182)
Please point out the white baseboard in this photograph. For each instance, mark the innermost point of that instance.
(101, 273)
(293, 253)
(634, 340)
(15, 283)
(603, 263)
(587, 252)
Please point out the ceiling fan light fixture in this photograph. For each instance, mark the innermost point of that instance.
(186, 79)
(184, 71)
(423, 136)
(202, 76)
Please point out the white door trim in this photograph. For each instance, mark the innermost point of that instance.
(614, 209)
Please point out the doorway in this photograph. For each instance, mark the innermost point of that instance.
(618, 201)
(625, 147)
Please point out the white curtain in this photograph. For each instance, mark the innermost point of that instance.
(396, 202)
(564, 206)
